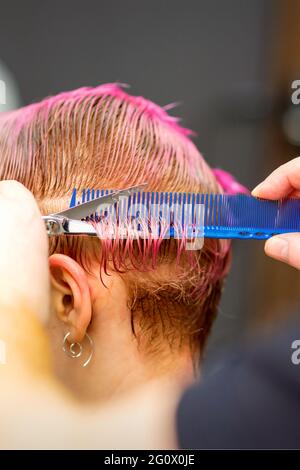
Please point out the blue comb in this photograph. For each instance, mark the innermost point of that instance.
(208, 215)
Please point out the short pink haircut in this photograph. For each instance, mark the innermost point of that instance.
(104, 138)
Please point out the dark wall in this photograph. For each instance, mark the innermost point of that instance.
(210, 55)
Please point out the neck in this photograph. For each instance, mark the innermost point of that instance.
(123, 365)
(121, 360)
(119, 363)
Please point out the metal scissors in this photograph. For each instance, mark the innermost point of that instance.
(69, 221)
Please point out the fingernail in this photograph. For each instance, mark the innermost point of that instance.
(278, 248)
(257, 189)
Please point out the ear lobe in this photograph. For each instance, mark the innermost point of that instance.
(70, 295)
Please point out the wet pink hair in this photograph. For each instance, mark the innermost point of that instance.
(105, 138)
(229, 184)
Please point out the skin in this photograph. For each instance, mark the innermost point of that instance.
(22, 238)
(36, 411)
(24, 309)
(29, 392)
(282, 182)
(82, 304)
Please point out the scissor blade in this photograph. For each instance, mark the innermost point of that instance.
(77, 227)
(64, 226)
(87, 208)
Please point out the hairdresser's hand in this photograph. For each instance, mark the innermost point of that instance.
(283, 182)
(24, 281)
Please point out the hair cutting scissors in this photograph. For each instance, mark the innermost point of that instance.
(69, 221)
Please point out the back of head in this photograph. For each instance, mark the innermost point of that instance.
(104, 138)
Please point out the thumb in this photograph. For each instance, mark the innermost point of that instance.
(285, 247)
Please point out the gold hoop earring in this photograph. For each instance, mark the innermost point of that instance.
(75, 350)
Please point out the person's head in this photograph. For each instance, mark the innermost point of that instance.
(147, 305)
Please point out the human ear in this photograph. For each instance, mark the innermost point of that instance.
(70, 295)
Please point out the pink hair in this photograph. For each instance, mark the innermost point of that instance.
(104, 138)
(229, 184)
(188, 158)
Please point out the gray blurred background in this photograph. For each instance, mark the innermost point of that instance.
(230, 65)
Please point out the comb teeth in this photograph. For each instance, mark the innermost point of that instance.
(211, 215)
(244, 216)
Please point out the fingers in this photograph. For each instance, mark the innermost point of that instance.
(15, 191)
(283, 182)
(285, 248)
(24, 284)
(23, 251)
